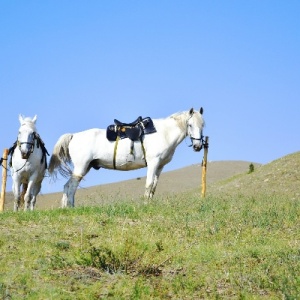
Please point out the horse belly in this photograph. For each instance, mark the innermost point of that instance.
(124, 165)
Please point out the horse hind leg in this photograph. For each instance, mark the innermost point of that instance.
(17, 199)
(68, 199)
(24, 189)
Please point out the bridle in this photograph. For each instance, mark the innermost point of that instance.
(31, 150)
(201, 139)
(197, 139)
(19, 144)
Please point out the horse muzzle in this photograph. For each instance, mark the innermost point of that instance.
(26, 149)
(197, 147)
(197, 143)
(25, 155)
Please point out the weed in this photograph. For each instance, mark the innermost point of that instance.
(251, 168)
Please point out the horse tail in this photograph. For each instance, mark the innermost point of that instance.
(60, 159)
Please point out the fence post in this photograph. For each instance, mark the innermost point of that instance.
(204, 167)
(4, 177)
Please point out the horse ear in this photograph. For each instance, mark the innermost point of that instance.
(34, 119)
(201, 110)
(21, 119)
(191, 111)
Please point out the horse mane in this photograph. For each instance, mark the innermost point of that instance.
(181, 118)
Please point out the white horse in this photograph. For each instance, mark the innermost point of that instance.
(92, 149)
(28, 164)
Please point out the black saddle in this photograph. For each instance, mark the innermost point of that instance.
(133, 130)
(132, 124)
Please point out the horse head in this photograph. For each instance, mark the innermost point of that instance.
(26, 136)
(195, 126)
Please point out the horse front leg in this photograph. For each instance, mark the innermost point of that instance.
(68, 199)
(34, 192)
(27, 195)
(17, 195)
(155, 181)
(153, 173)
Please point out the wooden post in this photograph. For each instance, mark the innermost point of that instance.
(204, 167)
(4, 177)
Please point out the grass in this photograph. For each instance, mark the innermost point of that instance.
(179, 247)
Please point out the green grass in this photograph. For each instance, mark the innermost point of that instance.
(181, 247)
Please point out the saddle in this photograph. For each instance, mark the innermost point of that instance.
(133, 130)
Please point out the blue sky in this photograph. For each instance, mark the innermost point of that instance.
(80, 64)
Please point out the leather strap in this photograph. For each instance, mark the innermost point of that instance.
(115, 151)
(144, 151)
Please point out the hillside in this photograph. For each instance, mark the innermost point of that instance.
(280, 177)
(240, 242)
(180, 180)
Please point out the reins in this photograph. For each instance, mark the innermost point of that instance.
(10, 152)
(22, 166)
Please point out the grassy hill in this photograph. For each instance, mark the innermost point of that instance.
(170, 183)
(239, 242)
(280, 177)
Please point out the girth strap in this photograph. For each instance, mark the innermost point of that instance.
(115, 151)
(144, 151)
(131, 151)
